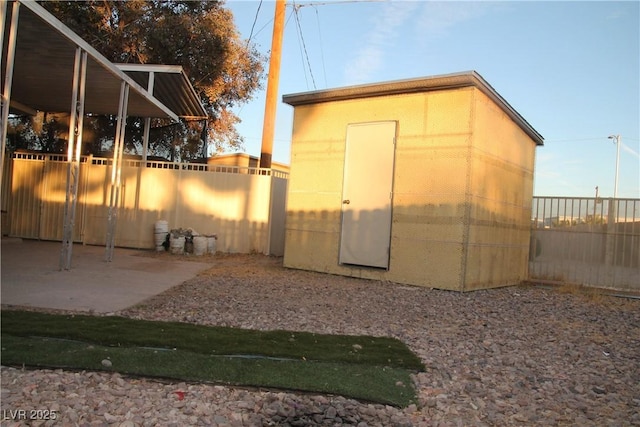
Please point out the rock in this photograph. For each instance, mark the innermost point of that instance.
(599, 390)
(106, 363)
(490, 358)
(330, 413)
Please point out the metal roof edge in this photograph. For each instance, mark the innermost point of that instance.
(169, 69)
(47, 17)
(423, 84)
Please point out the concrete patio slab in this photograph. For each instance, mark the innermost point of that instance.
(30, 276)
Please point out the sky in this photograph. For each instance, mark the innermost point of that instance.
(571, 69)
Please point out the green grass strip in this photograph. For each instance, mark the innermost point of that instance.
(121, 331)
(386, 385)
(362, 367)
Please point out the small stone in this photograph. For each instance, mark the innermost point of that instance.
(331, 413)
(599, 390)
(106, 363)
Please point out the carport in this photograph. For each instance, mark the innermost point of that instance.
(47, 67)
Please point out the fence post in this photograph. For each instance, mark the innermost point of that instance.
(610, 236)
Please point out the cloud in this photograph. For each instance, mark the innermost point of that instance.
(629, 150)
(417, 22)
(381, 36)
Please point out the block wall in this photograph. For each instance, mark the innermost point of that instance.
(429, 191)
(501, 191)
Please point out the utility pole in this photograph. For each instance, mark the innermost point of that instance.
(268, 129)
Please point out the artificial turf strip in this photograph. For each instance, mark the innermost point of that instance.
(120, 331)
(386, 385)
(368, 368)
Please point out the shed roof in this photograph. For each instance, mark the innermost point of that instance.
(170, 85)
(43, 72)
(424, 84)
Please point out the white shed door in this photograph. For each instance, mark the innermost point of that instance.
(366, 194)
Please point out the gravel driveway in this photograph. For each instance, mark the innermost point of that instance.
(518, 356)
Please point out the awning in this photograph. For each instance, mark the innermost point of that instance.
(43, 70)
(170, 85)
(47, 67)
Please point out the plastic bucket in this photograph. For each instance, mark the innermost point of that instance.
(199, 245)
(161, 229)
(211, 244)
(177, 245)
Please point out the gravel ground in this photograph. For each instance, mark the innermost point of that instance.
(518, 356)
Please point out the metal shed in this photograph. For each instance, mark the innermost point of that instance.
(426, 181)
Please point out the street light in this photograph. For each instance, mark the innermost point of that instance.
(616, 140)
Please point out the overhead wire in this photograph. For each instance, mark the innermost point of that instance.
(324, 70)
(304, 69)
(304, 46)
(255, 19)
(328, 3)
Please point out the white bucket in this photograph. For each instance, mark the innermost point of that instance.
(177, 245)
(161, 229)
(199, 245)
(211, 244)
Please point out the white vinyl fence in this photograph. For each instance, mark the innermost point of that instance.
(244, 207)
(586, 241)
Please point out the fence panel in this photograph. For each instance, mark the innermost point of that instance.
(587, 241)
(240, 205)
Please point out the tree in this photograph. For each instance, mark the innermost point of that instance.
(198, 35)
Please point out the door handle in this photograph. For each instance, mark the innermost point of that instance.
(346, 202)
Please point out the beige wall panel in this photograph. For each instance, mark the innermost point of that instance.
(309, 201)
(277, 216)
(311, 250)
(54, 193)
(97, 202)
(446, 233)
(316, 170)
(324, 221)
(502, 182)
(26, 197)
(449, 112)
(505, 182)
(7, 173)
(236, 207)
(329, 120)
(485, 267)
(499, 136)
(425, 263)
(430, 170)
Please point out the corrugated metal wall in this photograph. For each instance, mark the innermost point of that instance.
(244, 207)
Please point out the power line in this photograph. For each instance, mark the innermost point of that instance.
(304, 46)
(304, 70)
(255, 19)
(324, 70)
(329, 3)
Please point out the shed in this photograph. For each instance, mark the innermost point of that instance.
(425, 181)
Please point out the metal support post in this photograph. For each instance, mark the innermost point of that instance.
(74, 149)
(116, 171)
(147, 121)
(8, 76)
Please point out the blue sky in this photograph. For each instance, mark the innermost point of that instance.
(571, 69)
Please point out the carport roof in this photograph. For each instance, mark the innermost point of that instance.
(424, 84)
(43, 73)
